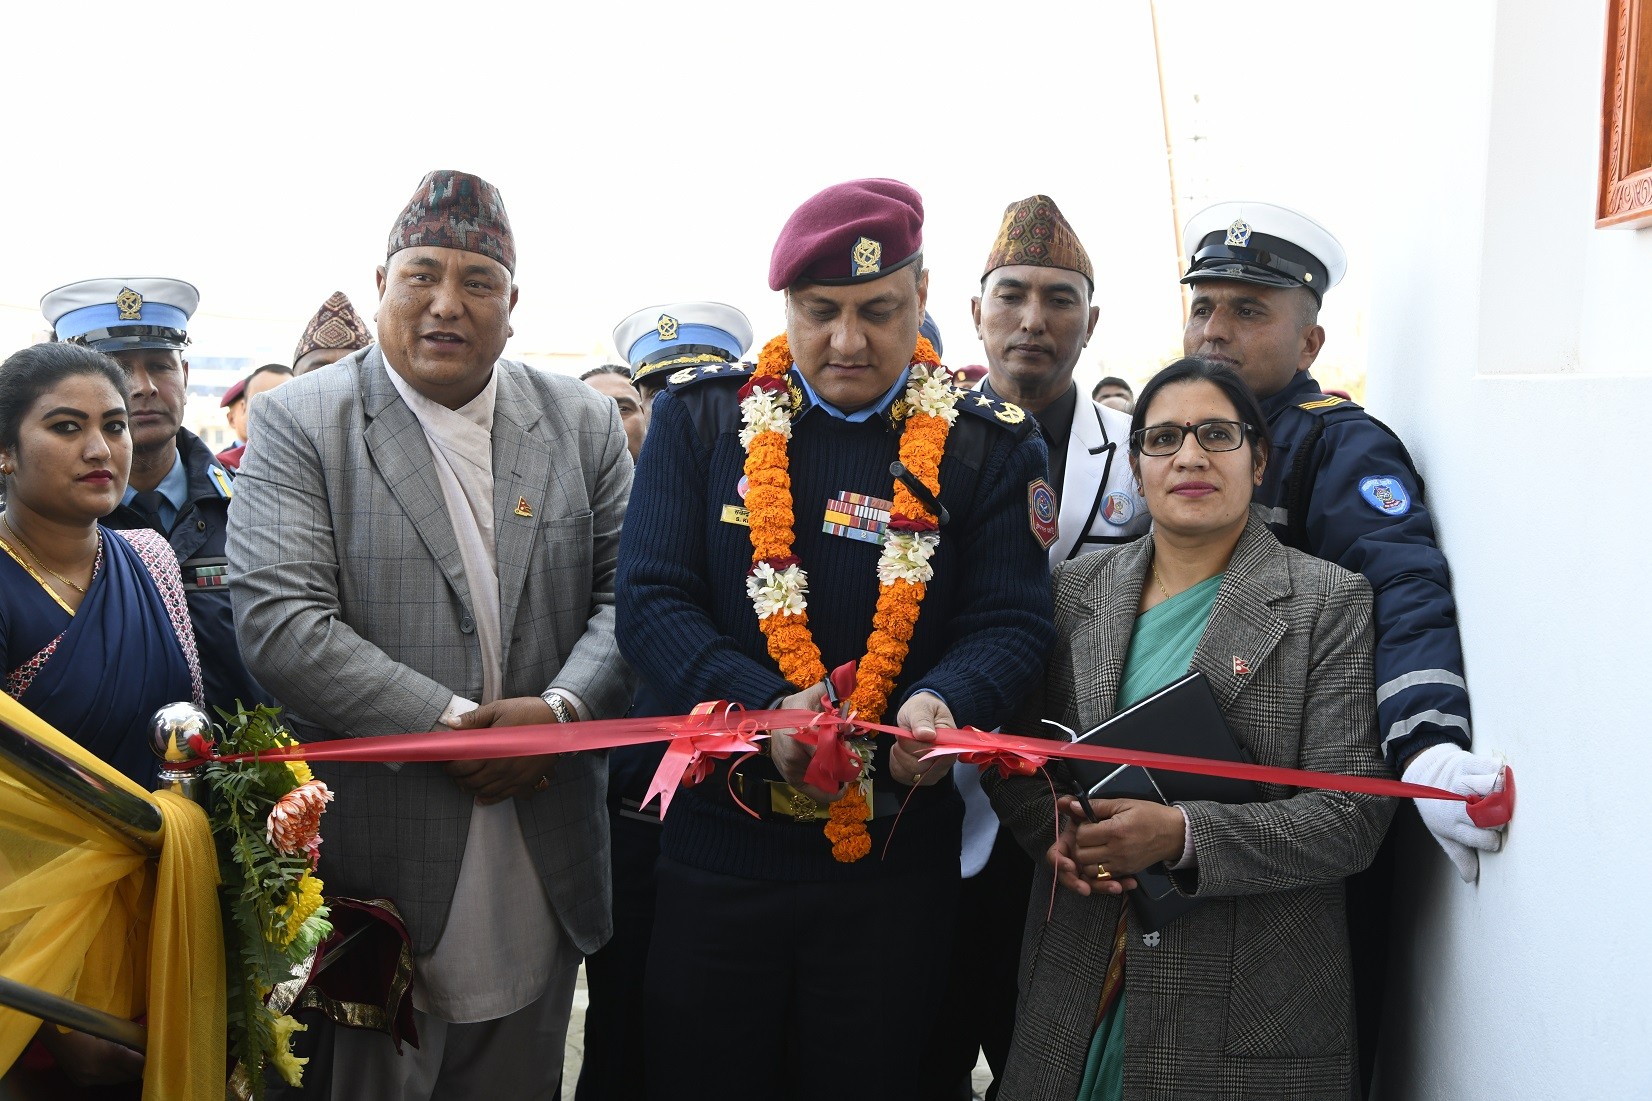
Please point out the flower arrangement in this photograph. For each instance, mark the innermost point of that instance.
(778, 585)
(266, 821)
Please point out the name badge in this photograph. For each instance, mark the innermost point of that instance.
(735, 514)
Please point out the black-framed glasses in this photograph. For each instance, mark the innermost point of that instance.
(1160, 440)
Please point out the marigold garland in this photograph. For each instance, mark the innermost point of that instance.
(778, 584)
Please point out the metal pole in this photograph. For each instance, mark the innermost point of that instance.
(132, 819)
(71, 1014)
(1169, 155)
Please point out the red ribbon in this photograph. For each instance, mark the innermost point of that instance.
(719, 730)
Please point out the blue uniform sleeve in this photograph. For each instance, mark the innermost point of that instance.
(1004, 625)
(661, 597)
(1366, 513)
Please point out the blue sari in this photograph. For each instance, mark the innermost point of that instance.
(98, 674)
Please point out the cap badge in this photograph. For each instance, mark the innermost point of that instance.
(130, 303)
(1239, 233)
(667, 327)
(868, 257)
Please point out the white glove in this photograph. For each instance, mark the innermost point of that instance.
(1454, 769)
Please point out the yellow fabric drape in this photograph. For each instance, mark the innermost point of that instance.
(84, 916)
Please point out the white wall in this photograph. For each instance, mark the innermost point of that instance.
(1509, 347)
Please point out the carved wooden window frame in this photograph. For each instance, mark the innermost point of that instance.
(1625, 196)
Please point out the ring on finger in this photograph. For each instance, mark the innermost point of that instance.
(1102, 874)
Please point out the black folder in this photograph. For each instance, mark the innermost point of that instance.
(1181, 718)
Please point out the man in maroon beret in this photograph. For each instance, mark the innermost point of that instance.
(799, 950)
(239, 397)
(424, 536)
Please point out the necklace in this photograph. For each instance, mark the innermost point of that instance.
(4, 519)
(777, 583)
(1160, 580)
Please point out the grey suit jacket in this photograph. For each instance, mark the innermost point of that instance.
(351, 606)
(1247, 996)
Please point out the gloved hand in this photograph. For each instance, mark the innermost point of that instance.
(1455, 769)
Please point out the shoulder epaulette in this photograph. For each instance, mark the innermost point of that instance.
(1329, 403)
(221, 480)
(693, 376)
(1002, 413)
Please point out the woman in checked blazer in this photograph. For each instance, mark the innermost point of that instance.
(1249, 994)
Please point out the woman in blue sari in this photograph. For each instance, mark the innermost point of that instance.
(94, 631)
(93, 627)
(1247, 995)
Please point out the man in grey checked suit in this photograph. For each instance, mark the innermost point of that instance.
(420, 529)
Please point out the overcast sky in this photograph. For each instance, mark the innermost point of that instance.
(650, 152)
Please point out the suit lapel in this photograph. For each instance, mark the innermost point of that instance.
(521, 471)
(1106, 618)
(1090, 457)
(397, 446)
(1244, 629)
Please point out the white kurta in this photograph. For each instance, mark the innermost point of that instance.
(502, 943)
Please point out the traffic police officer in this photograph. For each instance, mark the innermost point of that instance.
(1341, 486)
(782, 965)
(178, 487)
(656, 341)
(659, 341)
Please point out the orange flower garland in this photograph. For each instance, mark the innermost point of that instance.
(778, 584)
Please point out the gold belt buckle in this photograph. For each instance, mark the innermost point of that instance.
(785, 799)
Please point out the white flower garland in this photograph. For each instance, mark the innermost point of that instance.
(905, 555)
(777, 592)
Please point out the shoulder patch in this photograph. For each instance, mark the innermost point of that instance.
(220, 480)
(693, 376)
(1385, 494)
(1041, 511)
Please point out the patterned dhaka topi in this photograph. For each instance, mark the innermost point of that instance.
(1034, 232)
(456, 210)
(335, 325)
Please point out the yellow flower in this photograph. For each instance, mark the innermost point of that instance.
(302, 901)
(301, 771)
(290, 1067)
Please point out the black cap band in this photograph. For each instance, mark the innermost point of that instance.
(1264, 260)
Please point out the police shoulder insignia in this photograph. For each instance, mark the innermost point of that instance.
(867, 256)
(1041, 514)
(1387, 495)
(130, 304)
(220, 481)
(1325, 402)
(666, 327)
(1009, 413)
(687, 374)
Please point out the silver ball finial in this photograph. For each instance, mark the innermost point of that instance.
(169, 732)
(171, 727)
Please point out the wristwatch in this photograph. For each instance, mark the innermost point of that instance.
(559, 707)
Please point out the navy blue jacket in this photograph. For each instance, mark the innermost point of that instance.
(685, 624)
(1341, 486)
(197, 538)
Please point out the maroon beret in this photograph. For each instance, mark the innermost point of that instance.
(850, 233)
(234, 393)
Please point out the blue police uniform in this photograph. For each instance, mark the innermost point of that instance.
(1341, 487)
(686, 624)
(197, 537)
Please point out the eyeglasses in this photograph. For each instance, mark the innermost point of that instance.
(1160, 440)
